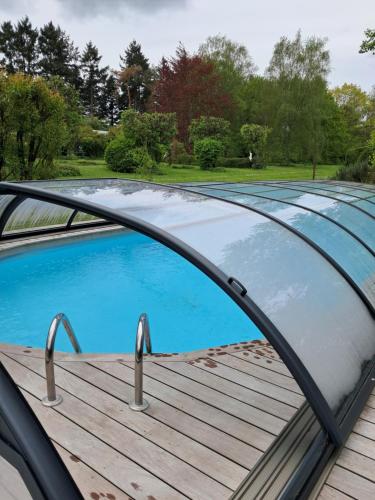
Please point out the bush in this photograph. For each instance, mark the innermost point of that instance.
(68, 171)
(178, 154)
(92, 144)
(208, 152)
(122, 156)
(360, 172)
(235, 162)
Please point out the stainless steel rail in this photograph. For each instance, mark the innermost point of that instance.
(143, 336)
(53, 399)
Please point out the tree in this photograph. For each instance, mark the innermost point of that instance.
(152, 131)
(368, 44)
(299, 69)
(135, 78)
(109, 100)
(255, 140)
(58, 55)
(209, 126)
(19, 47)
(93, 79)
(358, 112)
(32, 126)
(189, 86)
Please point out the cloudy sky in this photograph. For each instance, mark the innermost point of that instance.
(160, 24)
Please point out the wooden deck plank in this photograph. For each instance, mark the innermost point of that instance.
(361, 444)
(260, 373)
(329, 493)
(205, 460)
(99, 456)
(212, 438)
(351, 484)
(179, 475)
(368, 414)
(232, 389)
(363, 466)
(264, 361)
(253, 383)
(366, 429)
(91, 484)
(171, 376)
(216, 418)
(371, 401)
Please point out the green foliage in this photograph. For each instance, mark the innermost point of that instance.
(68, 171)
(178, 154)
(209, 126)
(208, 151)
(371, 146)
(152, 131)
(232, 162)
(91, 143)
(122, 156)
(368, 44)
(32, 127)
(359, 172)
(255, 140)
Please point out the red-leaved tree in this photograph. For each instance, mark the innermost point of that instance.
(189, 86)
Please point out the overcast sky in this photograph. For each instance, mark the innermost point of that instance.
(160, 24)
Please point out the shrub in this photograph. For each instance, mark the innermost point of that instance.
(359, 172)
(178, 154)
(68, 171)
(92, 144)
(208, 152)
(210, 126)
(235, 162)
(122, 156)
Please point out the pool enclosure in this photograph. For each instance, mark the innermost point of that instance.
(297, 257)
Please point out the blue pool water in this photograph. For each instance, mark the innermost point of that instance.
(103, 284)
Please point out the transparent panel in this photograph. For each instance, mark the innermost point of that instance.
(34, 214)
(82, 217)
(359, 223)
(353, 257)
(365, 205)
(335, 188)
(314, 308)
(4, 202)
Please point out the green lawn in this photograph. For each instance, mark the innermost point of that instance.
(178, 173)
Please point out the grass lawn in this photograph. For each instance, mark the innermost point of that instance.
(91, 168)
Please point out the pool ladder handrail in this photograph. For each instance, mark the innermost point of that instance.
(53, 399)
(143, 337)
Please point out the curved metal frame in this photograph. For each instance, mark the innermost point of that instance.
(143, 337)
(332, 183)
(323, 412)
(308, 209)
(52, 399)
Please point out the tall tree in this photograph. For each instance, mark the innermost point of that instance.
(189, 86)
(93, 79)
(109, 100)
(19, 47)
(299, 69)
(136, 78)
(58, 55)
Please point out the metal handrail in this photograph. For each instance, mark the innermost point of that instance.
(53, 399)
(143, 336)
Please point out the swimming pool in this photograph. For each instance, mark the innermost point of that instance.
(103, 284)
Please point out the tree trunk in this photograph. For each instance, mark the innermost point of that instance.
(21, 155)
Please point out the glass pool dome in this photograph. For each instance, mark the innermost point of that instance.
(297, 257)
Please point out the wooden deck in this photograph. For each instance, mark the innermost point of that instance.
(353, 475)
(208, 423)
